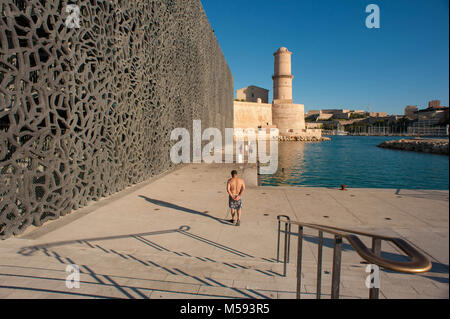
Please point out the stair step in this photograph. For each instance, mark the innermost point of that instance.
(115, 273)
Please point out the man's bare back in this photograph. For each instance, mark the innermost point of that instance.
(236, 185)
(235, 189)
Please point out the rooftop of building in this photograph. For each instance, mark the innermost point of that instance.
(432, 109)
(253, 86)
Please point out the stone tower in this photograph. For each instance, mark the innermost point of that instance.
(287, 116)
(282, 78)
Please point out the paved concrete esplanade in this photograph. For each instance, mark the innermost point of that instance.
(167, 238)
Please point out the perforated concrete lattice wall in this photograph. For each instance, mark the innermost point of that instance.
(86, 112)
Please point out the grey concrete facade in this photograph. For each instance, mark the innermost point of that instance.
(86, 112)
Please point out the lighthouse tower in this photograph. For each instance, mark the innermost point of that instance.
(282, 78)
(287, 116)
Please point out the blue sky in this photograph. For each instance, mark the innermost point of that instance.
(337, 61)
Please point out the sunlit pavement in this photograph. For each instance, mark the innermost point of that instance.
(168, 238)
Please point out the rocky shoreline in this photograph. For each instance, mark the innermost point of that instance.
(302, 139)
(432, 146)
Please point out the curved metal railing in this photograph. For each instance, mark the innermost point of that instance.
(418, 262)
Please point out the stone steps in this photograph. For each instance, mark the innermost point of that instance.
(167, 274)
(164, 274)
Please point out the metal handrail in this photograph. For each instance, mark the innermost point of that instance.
(419, 263)
(287, 233)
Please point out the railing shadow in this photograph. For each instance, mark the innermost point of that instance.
(327, 242)
(423, 194)
(94, 243)
(182, 209)
(437, 268)
(441, 280)
(104, 280)
(25, 251)
(183, 230)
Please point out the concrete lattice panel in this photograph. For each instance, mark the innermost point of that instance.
(86, 112)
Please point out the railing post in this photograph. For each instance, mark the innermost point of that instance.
(336, 276)
(374, 292)
(285, 248)
(319, 266)
(299, 261)
(289, 245)
(279, 217)
(278, 245)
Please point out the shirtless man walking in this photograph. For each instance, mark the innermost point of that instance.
(235, 189)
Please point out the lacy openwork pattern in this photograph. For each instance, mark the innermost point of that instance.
(88, 111)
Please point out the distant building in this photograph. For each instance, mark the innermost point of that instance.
(252, 94)
(252, 110)
(394, 118)
(433, 115)
(335, 111)
(314, 125)
(341, 114)
(435, 104)
(324, 115)
(432, 121)
(377, 114)
(313, 116)
(312, 112)
(252, 115)
(411, 112)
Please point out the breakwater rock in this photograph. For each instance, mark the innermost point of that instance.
(303, 139)
(433, 146)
